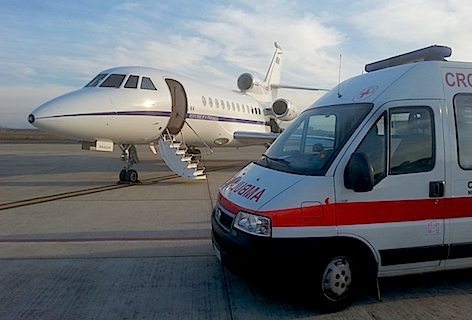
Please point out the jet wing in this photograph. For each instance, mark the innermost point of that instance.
(254, 138)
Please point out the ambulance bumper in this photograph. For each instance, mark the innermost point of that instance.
(237, 248)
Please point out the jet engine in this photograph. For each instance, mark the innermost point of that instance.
(249, 83)
(246, 82)
(284, 110)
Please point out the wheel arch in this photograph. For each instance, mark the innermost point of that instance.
(356, 246)
(361, 249)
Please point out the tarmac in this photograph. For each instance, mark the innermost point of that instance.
(76, 245)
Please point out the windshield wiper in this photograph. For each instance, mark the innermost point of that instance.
(280, 160)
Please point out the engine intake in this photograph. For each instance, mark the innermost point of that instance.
(250, 84)
(246, 81)
(284, 110)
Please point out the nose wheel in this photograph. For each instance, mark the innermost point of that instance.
(130, 156)
(129, 176)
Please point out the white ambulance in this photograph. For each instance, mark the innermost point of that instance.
(373, 180)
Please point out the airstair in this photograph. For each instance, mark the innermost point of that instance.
(177, 157)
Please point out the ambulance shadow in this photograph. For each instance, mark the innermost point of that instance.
(289, 296)
(434, 284)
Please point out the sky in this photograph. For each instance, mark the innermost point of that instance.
(50, 47)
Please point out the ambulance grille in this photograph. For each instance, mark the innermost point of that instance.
(225, 219)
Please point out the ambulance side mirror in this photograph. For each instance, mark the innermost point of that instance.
(359, 173)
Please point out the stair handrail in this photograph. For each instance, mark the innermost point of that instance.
(198, 136)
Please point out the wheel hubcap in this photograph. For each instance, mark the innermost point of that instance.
(337, 278)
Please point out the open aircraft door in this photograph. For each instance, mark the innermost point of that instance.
(179, 106)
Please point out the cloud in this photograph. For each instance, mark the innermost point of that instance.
(244, 36)
(407, 25)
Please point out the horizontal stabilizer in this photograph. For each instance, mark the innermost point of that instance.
(282, 86)
(254, 138)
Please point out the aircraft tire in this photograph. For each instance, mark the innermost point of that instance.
(123, 175)
(132, 176)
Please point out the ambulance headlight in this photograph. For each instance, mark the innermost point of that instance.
(253, 224)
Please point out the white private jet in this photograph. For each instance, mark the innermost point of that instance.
(137, 105)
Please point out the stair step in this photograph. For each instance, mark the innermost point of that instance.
(176, 158)
(199, 172)
(175, 145)
(181, 151)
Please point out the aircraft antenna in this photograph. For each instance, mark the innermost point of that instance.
(339, 75)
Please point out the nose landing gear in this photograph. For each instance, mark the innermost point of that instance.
(130, 155)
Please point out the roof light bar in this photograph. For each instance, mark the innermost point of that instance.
(431, 53)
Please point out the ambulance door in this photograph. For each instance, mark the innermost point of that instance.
(401, 217)
(459, 208)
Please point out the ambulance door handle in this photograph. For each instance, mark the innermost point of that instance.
(436, 189)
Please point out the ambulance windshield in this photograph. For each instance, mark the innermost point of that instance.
(310, 144)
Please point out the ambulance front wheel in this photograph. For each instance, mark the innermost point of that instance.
(336, 282)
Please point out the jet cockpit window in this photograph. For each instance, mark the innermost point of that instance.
(113, 81)
(147, 84)
(96, 80)
(132, 82)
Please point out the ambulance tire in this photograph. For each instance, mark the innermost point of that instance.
(337, 278)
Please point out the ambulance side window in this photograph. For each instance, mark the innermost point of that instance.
(374, 146)
(411, 140)
(463, 115)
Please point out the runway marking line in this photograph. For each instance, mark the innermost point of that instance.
(118, 239)
(71, 194)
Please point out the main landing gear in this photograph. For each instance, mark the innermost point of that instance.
(130, 155)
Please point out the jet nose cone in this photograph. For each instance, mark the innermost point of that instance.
(31, 118)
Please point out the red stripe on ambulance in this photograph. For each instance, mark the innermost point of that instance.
(343, 214)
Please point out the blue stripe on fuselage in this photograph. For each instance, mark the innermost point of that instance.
(194, 116)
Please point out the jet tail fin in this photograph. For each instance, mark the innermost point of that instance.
(272, 78)
(265, 90)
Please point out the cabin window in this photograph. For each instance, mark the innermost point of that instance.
(204, 102)
(96, 80)
(237, 104)
(210, 102)
(147, 84)
(222, 104)
(234, 107)
(411, 140)
(228, 106)
(132, 82)
(113, 81)
(463, 115)
(217, 104)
